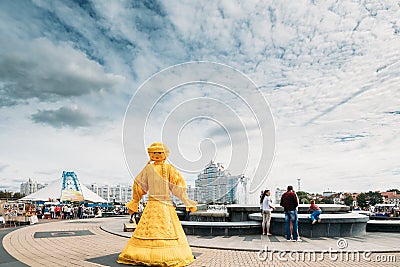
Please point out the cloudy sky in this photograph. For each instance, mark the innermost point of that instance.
(330, 71)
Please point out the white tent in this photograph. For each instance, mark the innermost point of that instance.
(53, 191)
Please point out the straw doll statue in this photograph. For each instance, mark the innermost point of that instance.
(159, 239)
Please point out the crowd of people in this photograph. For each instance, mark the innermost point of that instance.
(385, 210)
(11, 212)
(67, 211)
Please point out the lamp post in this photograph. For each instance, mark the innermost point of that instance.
(298, 184)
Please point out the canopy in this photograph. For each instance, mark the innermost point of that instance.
(54, 191)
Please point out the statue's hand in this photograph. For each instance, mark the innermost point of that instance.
(191, 205)
(193, 209)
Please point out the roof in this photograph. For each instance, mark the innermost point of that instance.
(390, 195)
(53, 191)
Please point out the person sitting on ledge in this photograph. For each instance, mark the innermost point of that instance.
(315, 212)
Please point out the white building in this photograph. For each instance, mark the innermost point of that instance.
(29, 187)
(215, 184)
(278, 194)
(391, 198)
(113, 193)
(190, 193)
(123, 193)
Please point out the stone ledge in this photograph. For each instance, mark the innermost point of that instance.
(221, 224)
(332, 225)
(383, 226)
(325, 218)
(221, 228)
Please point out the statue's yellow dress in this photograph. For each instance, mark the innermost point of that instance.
(159, 239)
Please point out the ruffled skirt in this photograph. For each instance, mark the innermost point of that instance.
(159, 239)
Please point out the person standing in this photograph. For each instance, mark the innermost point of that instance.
(52, 212)
(64, 211)
(266, 204)
(289, 202)
(43, 211)
(80, 211)
(68, 214)
(57, 209)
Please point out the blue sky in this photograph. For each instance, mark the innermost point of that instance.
(328, 69)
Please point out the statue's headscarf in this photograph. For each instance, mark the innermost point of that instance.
(158, 147)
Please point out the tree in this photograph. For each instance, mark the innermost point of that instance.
(374, 198)
(328, 200)
(303, 197)
(394, 190)
(369, 199)
(348, 200)
(362, 200)
(17, 196)
(304, 201)
(6, 195)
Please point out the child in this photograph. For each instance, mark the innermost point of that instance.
(315, 212)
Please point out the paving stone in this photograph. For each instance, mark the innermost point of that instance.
(101, 248)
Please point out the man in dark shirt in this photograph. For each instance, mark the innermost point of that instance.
(289, 202)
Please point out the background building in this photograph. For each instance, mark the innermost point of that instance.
(215, 184)
(391, 197)
(113, 193)
(177, 201)
(29, 187)
(278, 194)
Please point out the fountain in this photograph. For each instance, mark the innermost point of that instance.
(241, 219)
(337, 221)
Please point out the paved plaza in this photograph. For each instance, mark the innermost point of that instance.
(98, 242)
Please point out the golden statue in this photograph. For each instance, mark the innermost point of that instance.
(159, 239)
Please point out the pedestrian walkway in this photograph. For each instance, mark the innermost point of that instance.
(373, 241)
(85, 243)
(5, 258)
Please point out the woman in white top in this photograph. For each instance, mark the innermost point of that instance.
(267, 207)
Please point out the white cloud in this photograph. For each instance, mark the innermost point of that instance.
(46, 71)
(328, 69)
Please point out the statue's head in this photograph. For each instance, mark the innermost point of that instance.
(158, 152)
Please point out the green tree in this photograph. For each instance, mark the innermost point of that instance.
(362, 200)
(370, 198)
(394, 190)
(6, 195)
(303, 197)
(304, 201)
(348, 200)
(374, 198)
(328, 200)
(17, 196)
(318, 201)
